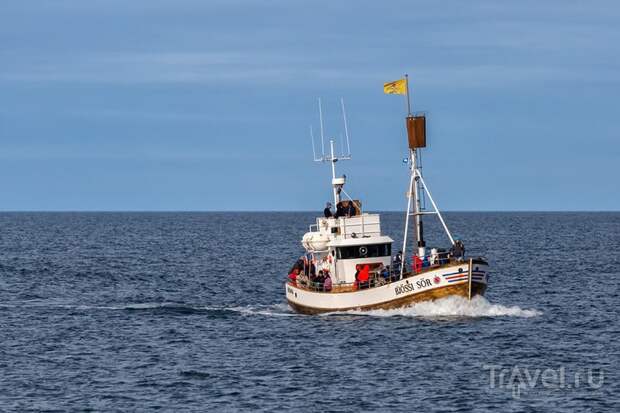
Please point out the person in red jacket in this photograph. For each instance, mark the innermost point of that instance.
(293, 276)
(362, 275)
(417, 264)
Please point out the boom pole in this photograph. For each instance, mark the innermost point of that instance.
(407, 215)
(419, 229)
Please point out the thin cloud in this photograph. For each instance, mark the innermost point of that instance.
(260, 68)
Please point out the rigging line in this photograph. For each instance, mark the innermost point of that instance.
(345, 192)
(422, 193)
(352, 200)
(321, 121)
(312, 137)
(346, 126)
(419, 158)
(422, 197)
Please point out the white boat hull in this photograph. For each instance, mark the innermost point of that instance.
(447, 280)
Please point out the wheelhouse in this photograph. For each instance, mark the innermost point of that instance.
(364, 251)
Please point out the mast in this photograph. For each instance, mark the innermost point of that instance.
(408, 97)
(416, 135)
(334, 180)
(413, 194)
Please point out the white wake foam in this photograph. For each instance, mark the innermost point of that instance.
(449, 307)
(453, 306)
(274, 310)
(277, 310)
(129, 306)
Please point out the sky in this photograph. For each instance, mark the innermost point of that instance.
(206, 105)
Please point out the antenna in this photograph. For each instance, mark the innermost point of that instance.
(312, 137)
(322, 157)
(337, 183)
(321, 120)
(346, 126)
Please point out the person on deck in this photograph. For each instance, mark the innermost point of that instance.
(397, 261)
(385, 272)
(317, 280)
(458, 250)
(340, 210)
(302, 280)
(417, 264)
(293, 276)
(328, 210)
(327, 284)
(350, 210)
(381, 275)
(426, 262)
(363, 275)
(321, 277)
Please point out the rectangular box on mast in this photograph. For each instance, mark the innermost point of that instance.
(416, 131)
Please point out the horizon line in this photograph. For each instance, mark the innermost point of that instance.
(290, 211)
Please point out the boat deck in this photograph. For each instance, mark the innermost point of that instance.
(377, 280)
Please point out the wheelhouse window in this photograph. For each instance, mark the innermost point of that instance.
(364, 251)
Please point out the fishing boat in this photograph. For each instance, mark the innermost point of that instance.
(349, 263)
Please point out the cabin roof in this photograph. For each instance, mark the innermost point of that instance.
(346, 242)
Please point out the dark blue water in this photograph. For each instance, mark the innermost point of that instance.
(186, 312)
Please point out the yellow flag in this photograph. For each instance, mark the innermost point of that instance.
(398, 87)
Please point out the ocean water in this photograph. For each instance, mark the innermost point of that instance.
(186, 312)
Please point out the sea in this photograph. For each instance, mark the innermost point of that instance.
(186, 312)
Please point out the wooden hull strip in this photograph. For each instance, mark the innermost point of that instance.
(461, 290)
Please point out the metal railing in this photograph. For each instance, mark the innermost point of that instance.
(375, 280)
(378, 279)
(344, 225)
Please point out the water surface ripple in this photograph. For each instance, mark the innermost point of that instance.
(186, 312)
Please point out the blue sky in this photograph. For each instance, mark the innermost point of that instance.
(206, 105)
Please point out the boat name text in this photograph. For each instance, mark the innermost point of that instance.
(407, 288)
